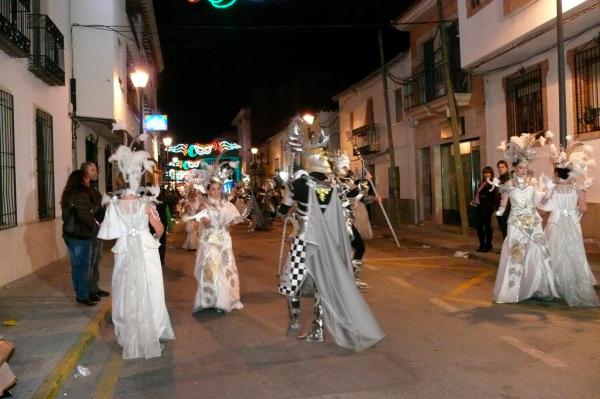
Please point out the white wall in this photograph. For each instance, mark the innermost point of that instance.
(355, 100)
(499, 30)
(32, 244)
(496, 108)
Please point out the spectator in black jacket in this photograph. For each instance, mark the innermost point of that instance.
(504, 176)
(90, 179)
(485, 205)
(79, 229)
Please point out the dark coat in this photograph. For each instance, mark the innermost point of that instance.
(81, 203)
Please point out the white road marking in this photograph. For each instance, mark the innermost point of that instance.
(400, 282)
(535, 353)
(444, 305)
(370, 267)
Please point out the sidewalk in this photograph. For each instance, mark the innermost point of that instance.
(52, 330)
(449, 238)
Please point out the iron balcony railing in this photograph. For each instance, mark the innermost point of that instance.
(14, 38)
(430, 84)
(366, 139)
(47, 50)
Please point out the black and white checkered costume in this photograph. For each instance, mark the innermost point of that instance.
(294, 272)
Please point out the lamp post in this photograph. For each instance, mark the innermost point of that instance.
(254, 151)
(139, 78)
(309, 119)
(167, 143)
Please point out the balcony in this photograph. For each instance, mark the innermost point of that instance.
(13, 27)
(425, 92)
(47, 59)
(366, 139)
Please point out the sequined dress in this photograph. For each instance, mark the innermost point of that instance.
(215, 270)
(524, 270)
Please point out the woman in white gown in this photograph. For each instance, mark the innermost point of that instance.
(566, 203)
(215, 270)
(191, 207)
(139, 312)
(524, 270)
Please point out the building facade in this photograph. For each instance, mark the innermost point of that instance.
(426, 106)
(40, 110)
(363, 128)
(519, 65)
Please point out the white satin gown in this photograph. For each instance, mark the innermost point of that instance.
(139, 312)
(524, 270)
(574, 278)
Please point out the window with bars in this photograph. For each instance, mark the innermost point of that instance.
(369, 112)
(91, 149)
(108, 169)
(524, 109)
(45, 164)
(587, 88)
(8, 190)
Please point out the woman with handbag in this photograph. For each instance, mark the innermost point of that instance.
(79, 228)
(484, 203)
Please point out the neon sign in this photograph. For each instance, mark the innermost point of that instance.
(222, 3)
(185, 165)
(193, 150)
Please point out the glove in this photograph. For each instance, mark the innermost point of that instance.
(500, 211)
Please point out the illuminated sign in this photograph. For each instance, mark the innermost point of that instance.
(222, 3)
(155, 123)
(194, 150)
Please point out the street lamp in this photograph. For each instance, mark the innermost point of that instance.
(254, 151)
(308, 118)
(167, 143)
(139, 78)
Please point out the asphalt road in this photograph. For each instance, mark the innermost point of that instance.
(445, 338)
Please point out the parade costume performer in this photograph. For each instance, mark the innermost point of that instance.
(319, 262)
(215, 269)
(139, 312)
(350, 193)
(191, 206)
(524, 270)
(566, 202)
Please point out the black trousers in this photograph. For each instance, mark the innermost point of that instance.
(484, 227)
(357, 244)
(162, 250)
(503, 222)
(94, 275)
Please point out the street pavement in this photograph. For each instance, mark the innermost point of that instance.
(445, 338)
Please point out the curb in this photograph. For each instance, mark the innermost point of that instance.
(64, 369)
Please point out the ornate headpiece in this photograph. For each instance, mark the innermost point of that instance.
(341, 163)
(207, 173)
(317, 159)
(521, 148)
(132, 165)
(577, 157)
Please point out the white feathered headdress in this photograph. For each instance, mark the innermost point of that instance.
(132, 165)
(206, 173)
(521, 148)
(577, 157)
(341, 163)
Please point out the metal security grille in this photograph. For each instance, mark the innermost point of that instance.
(8, 192)
(524, 110)
(587, 89)
(45, 164)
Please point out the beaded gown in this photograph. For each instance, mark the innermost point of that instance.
(525, 267)
(216, 271)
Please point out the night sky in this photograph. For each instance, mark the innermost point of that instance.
(278, 71)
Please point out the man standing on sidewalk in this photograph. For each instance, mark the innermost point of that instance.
(504, 176)
(90, 178)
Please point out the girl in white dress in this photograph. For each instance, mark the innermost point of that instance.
(566, 203)
(139, 312)
(215, 270)
(524, 270)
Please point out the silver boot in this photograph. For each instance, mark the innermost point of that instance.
(316, 332)
(294, 311)
(356, 269)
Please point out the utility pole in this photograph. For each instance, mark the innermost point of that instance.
(395, 179)
(562, 96)
(460, 182)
